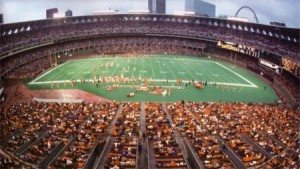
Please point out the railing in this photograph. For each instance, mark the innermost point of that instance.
(192, 157)
(92, 157)
(27, 145)
(232, 156)
(148, 154)
(137, 156)
(71, 140)
(104, 149)
(15, 133)
(47, 159)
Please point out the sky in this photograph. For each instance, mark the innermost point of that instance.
(286, 11)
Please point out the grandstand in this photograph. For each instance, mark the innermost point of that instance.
(151, 91)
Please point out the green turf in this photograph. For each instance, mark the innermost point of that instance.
(234, 83)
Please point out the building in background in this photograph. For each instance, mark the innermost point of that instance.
(1, 18)
(200, 8)
(69, 13)
(151, 5)
(280, 24)
(157, 6)
(50, 12)
(161, 6)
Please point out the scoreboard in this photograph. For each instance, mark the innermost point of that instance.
(239, 48)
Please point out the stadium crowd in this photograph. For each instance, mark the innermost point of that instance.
(126, 130)
(14, 42)
(162, 139)
(78, 127)
(233, 122)
(47, 124)
(30, 64)
(204, 143)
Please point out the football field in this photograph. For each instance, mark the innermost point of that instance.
(174, 73)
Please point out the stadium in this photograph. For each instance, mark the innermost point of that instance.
(149, 91)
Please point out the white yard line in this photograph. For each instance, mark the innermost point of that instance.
(195, 60)
(75, 74)
(132, 72)
(117, 68)
(236, 74)
(203, 70)
(160, 68)
(57, 76)
(152, 71)
(222, 74)
(99, 72)
(49, 72)
(170, 71)
(155, 80)
(156, 57)
(195, 78)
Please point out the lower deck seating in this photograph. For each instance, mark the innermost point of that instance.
(260, 135)
(123, 153)
(160, 132)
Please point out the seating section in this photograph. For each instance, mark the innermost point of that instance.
(29, 65)
(259, 135)
(204, 143)
(124, 150)
(41, 148)
(6, 162)
(93, 129)
(231, 121)
(16, 42)
(268, 144)
(160, 132)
